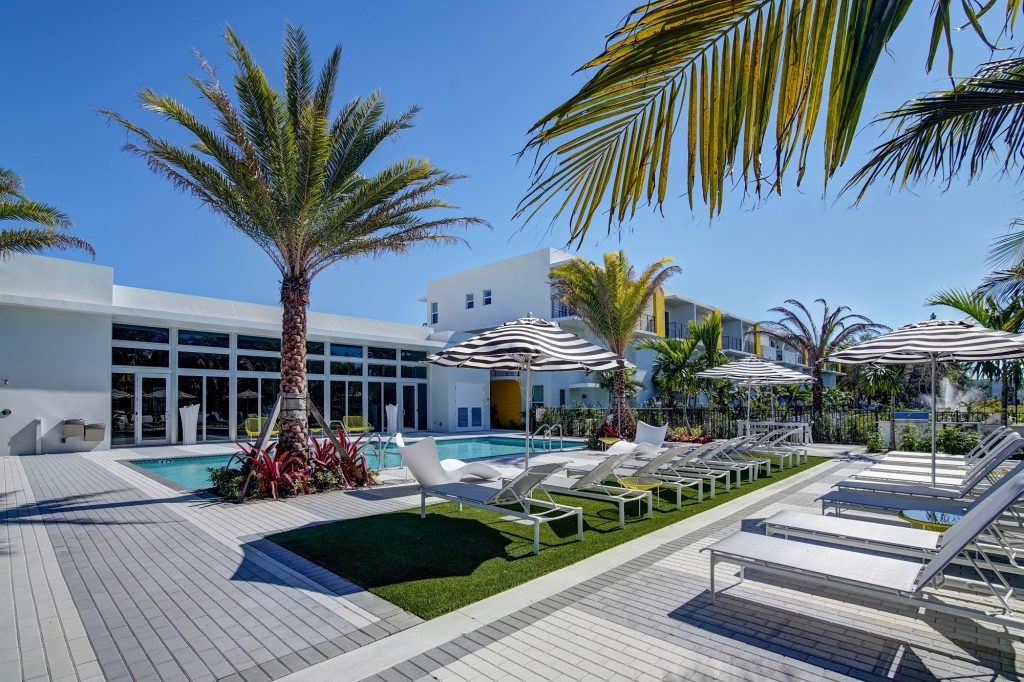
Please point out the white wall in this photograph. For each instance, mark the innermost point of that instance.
(441, 399)
(53, 366)
(518, 287)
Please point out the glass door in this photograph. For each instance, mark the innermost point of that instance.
(151, 399)
(122, 408)
(409, 407)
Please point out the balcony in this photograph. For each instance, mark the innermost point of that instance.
(677, 330)
(559, 309)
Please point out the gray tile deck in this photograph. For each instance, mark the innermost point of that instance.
(107, 574)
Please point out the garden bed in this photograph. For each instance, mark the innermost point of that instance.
(435, 565)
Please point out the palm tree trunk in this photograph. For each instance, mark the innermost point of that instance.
(618, 408)
(816, 389)
(292, 423)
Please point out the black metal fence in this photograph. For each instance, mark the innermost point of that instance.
(851, 427)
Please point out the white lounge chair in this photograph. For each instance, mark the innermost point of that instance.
(447, 470)
(946, 464)
(696, 467)
(591, 485)
(660, 468)
(652, 435)
(902, 580)
(513, 500)
(984, 445)
(896, 539)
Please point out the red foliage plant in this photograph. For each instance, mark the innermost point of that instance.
(277, 473)
(349, 463)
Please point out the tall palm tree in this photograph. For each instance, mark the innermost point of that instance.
(884, 380)
(611, 299)
(47, 224)
(992, 314)
(798, 329)
(287, 172)
(743, 89)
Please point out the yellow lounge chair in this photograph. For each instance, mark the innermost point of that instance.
(356, 424)
(253, 425)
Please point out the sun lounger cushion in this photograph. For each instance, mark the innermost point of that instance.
(941, 478)
(900, 488)
(473, 492)
(880, 500)
(882, 533)
(853, 566)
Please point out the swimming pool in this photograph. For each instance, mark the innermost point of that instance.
(191, 472)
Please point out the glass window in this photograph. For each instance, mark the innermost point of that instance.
(352, 369)
(381, 370)
(248, 403)
(314, 366)
(487, 296)
(217, 411)
(258, 363)
(315, 347)
(355, 398)
(538, 395)
(269, 388)
(414, 372)
(469, 301)
(209, 339)
(122, 409)
(188, 360)
(315, 387)
(258, 343)
(433, 312)
(381, 353)
(413, 355)
(135, 332)
(140, 357)
(421, 403)
(342, 350)
(190, 392)
(338, 405)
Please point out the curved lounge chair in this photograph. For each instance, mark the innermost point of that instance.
(651, 435)
(432, 470)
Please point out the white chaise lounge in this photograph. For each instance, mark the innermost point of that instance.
(513, 499)
(901, 580)
(651, 435)
(453, 469)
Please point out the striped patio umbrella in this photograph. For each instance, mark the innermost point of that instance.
(934, 341)
(752, 371)
(528, 345)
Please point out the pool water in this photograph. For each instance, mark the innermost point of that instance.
(191, 472)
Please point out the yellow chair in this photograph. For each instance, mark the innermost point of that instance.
(356, 424)
(253, 426)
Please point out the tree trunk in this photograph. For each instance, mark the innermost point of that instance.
(294, 430)
(618, 406)
(816, 389)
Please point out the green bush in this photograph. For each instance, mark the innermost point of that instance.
(911, 441)
(955, 441)
(226, 482)
(874, 443)
(322, 480)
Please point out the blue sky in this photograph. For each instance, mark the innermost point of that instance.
(482, 72)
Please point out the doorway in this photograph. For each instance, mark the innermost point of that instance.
(139, 409)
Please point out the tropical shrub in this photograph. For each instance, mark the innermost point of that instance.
(348, 465)
(955, 441)
(911, 440)
(226, 482)
(275, 473)
(874, 443)
(685, 434)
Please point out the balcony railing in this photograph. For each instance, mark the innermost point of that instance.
(646, 324)
(559, 309)
(677, 330)
(732, 343)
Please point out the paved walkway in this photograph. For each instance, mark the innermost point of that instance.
(108, 574)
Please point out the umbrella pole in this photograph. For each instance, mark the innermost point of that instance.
(528, 399)
(748, 410)
(934, 406)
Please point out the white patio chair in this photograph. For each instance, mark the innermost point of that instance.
(433, 469)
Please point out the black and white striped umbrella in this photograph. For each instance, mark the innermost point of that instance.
(938, 340)
(529, 345)
(934, 341)
(753, 371)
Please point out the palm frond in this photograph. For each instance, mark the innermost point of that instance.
(1006, 284)
(33, 239)
(978, 121)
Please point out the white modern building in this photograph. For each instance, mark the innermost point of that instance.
(88, 364)
(76, 346)
(486, 296)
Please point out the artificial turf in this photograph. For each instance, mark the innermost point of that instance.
(449, 559)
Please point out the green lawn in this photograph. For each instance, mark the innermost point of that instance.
(449, 559)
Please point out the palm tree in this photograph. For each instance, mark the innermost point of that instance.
(279, 167)
(47, 222)
(679, 360)
(884, 380)
(744, 89)
(992, 314)
(815, 340)
(611, 299)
